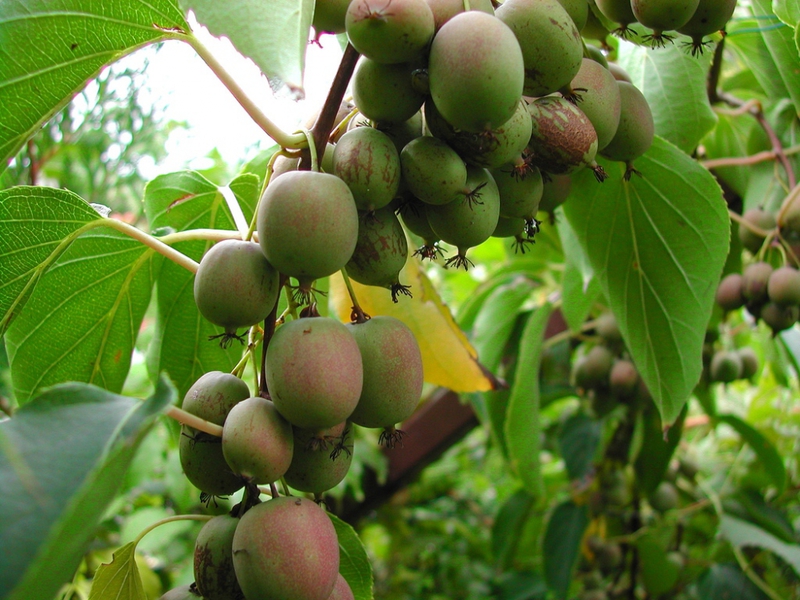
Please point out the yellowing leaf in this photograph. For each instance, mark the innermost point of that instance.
(449, 360)
(120, 578)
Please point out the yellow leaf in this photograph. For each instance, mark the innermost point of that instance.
(449, 360)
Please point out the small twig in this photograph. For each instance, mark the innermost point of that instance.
(194, 421)
(358, 314)
(751, 226)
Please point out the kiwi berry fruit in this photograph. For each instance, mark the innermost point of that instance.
(783, 286)
(730, 294)
(320, 459)
(385, 93)
(619, 12)
(664, 497)
(725, 366)
(623, 379)
(599, 99)
(432, 170)
(749, 362)
(661, 16)
(214, 574)
(710, 16)
(329, 16)
(392, 32)
(755, 279)
(592, 370)
(759, 218)
(635, 131)
(779, 317)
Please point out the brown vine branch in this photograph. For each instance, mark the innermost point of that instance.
(743, 161)
(269, 330)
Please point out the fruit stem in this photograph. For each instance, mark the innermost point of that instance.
(156, 244)
(269, 330)
(213, 235)
(191, 420)
(172, 519)
(742, 221)
(357, 315)
(283, 139)
(267, 179)
(312, 150)
(744, 161)
(291, 303)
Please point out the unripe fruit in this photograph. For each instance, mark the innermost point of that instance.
(620, 12)
(665, 497)
(214, 575)
(384, 93)
(778, 317)
(390, 32)
(710, 16)
(725, 367)
(749, 362)
(663, 15)
(475, 71)
(623, 379)
(381, 252)
(555, 192)
(596, 54)
(520, 189)
(783, 286)
(257, 441)
(341, 591)
(367, 161)
(509, 227)
(432, 170)
(391, 354)
(314, 372)
(550, 42)
(284, 549)
(760, 218)
(235, 286)
(729, 292)
(578, 11)
(755, 279)
(320, 459)
(307, 224)
(599, 99)
(619, 73)
(606, 327)
(609, 557)
(636, 128)
(444, 10)
(213, 396)
(592, 370)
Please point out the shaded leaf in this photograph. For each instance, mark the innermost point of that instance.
(659, 574)
(579, 287)
(91, 436)
(657, 245)
(273, 34)
(354, 563)
(766, 516)
(656, 452)
(51, 48)
(36, 226)
(119, 579)
(448, 359)
(182, 201)
(509, 526)
(779, 40)
(523, 427)
(726, 581)
(729, 139)
(578, 441)
(742, 534)
(562, 541)
(745, 39)
(674, 84)
(82, 320)
(521, 585)
(771, 461)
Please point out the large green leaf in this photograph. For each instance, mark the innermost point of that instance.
(578, 441)
(36, 226)
(727, 581)
(787, 11)
(656, 450)
(657, 244)
(62, 459)
(742, 534)
(119, 579)
(354, 563)
(181, 345)
(779, 40)
(771, 461)
(745, 39)
(562, 542)
(81, 321)
(729, 139)
(674, 84)
(579, 287)
(50, 48)
(274, 34)
(523, 424)
(509, 526)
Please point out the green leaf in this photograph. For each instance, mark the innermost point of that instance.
(58, 491)
(181, 346)
(522, 425)
(119, 579)
(779, 40)
(509, 526)
(354, 563)
(656, 452)
(36, 226)
(745, 39)
(580, 288)
(742, 534)
(273, 34)
(51, 48)
(246, 187)
(578, 442)
(674, 84)
(763, 514)
(521, 585)
(657, 244)
(659, 574)
(787, 11)
(728, 582)
(768, 456)
(562, 541)
(729, 139)
(81, 321)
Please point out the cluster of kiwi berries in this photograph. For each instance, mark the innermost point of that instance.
(465, 118)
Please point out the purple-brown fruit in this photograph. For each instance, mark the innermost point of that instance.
(320, 459)
(314, 372)
(755, 279)
(284, 549)
(730, 292)
(725, 366)
(783, 286)
(759, 218)
(390, 31)
(214, 575)
(778, 317)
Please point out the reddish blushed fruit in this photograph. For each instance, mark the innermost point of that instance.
(759, 218)
(284, 549)
(320, 459)
(783, 286)
(593, 368)
(729, 292)
(755, 279)
(342, 590)
(390, 31)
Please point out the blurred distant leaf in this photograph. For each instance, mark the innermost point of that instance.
(562, 541)
(728, 582)
(578, 442)
(656, 452)
(741, 534)
(659, 574)
(768, 456)
(509, 526)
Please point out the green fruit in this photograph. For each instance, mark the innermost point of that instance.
(470, 220)
(551, 45)
(729, 292)
(320, 459)
(390, 32)
(384, 93)
(444, 10)
(329, 16)
(509, 227)
(783, 286)
(749, 362)
(307, 224)
(204, 464)
(341, 591)
(790, 222)
(578, 11)
(285, 549)
(520, 189)
(779, 317)
(755, 279)
(314, 372)
(235, 286)
(710, 16)
(725, 367)
(490, 149)
(620, 12)
(381, 252)
(257, 441)
(636, 128)
(402, 133)
(599, 99)
(663, 15)
(391, 354)
(592, 370)
(475, 71)
(619, 74)
(665, 497)
(596, 54)
(623, 380)
(432, 170)
(183, 592)
(367, 161)
(594, 29)
(414, 216)
(555, 192)
(759, 218)
(563, 139)
(214, 575)
(213, 396)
